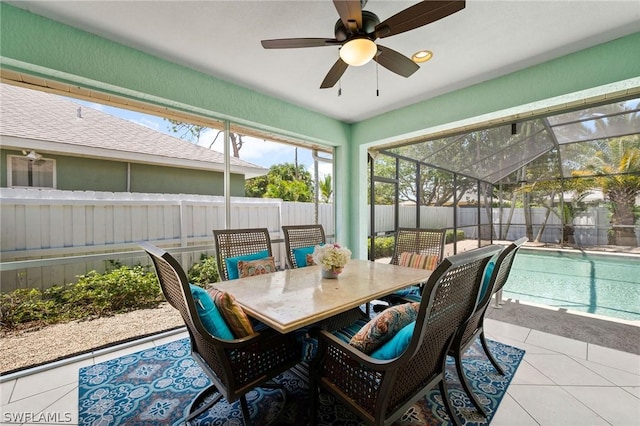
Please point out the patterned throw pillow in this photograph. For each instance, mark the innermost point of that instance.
(249, 268)
(384, 326)
(232, 262)
(310, 261)
(234, 316)
(420, 261)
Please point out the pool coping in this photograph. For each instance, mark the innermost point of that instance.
(634, 323)
(576, 250)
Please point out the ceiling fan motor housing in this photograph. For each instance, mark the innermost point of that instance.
(369, 22)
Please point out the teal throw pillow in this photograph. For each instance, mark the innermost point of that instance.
(397, 345)
(209, 314)
(232, 262)
(300, 255)
(488, 271)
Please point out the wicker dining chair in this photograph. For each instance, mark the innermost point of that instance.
(380, 391)
(473, 327)
(235, 367)
(301, 236)
(231, 243)
(418, 241)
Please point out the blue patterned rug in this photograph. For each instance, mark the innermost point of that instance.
(156, 386)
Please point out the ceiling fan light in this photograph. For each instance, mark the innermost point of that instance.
(422, 56)
(358, 51)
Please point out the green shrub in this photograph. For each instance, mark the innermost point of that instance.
(120, 290)
(204, 272)
(383, 246)
(448, 239)
(25, 305)
(93, 295)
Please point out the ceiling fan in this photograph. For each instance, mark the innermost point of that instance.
(356, 32)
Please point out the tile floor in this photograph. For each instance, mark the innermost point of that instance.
(559, 382)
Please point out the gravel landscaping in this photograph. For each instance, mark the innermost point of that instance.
(24, 349)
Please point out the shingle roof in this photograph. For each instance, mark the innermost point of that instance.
(31, 114)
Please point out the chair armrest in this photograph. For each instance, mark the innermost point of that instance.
(347, 351)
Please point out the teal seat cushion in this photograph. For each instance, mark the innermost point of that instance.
(412, 293)
(209, 314)
(300, 255)
(308, 344)
(232, 262)
(397, 345)
(346, 333)
(488, 271)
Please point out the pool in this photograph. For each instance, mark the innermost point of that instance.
(607, 285)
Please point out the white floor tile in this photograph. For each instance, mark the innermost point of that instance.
(611, 373)
(530, 349)
(613, 404)
(563, 370)
(46, 380)
(558, 343)
(622, 360)
(526, 374)
(553, 406)
(635, 391)
(66, 407)
(169, 339)
(510, 413)
(502, 329)
(126, 351)
(6, 389)
(27, 409)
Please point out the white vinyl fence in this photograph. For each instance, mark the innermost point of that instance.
(48, 224)
(40, 228)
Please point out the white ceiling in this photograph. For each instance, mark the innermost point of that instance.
(222, 38)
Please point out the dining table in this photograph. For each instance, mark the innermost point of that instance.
(294, 298)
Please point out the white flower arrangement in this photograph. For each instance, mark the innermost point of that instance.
(332, 257)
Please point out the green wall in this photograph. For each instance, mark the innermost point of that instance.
(38, 46)
(148, 178)
(88, 174)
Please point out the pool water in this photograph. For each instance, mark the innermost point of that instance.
(606, 285)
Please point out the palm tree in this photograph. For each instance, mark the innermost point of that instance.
(326, 189)
(616, 165)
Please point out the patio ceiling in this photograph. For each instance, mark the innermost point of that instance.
(487, 39)
(568, 140)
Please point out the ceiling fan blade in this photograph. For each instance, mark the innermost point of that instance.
(417, 15)
(334, 74)
(395, 62)
(350, 12)
(290, 43)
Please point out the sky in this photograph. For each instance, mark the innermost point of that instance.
(257, 151)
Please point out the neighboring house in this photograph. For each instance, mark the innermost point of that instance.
(48, 141)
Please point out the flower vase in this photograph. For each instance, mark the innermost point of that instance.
(331, 273)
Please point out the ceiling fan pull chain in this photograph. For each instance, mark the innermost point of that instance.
(340, 87)
(377, 83)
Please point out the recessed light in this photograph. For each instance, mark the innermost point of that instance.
(422, 56)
